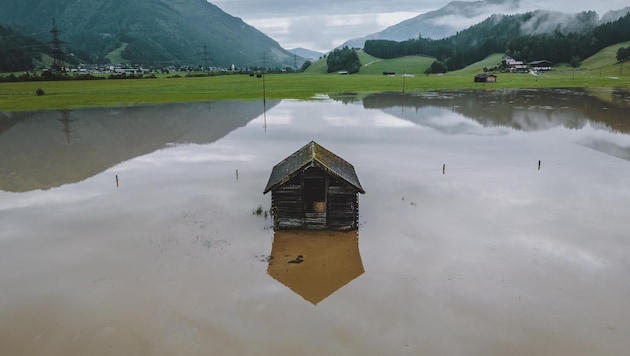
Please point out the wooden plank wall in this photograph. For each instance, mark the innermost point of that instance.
(287, 206)
(343, 207)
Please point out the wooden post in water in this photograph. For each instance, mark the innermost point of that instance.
(444, 168)
(538, 164)
(403, 77)
(116, 180)
(237, 174)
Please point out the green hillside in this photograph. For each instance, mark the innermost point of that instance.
(604, 60)
(602, 63)
(116, 56)
(409, 64)
(157, 32)
(372, 65)
(317, 67)
(476, 68)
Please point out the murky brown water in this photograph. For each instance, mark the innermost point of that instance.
(493, 257)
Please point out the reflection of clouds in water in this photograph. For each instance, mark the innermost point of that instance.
(608, 147)
(611, 143)
(558, 251)
(279, 116)
(541, 118)
(182, 154)
(376, 120)
(507, 198)
(58, 195)
(452, 123)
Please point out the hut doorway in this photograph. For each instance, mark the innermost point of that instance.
(314, 195)
(314, 198)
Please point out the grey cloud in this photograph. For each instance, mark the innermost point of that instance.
(307, 22)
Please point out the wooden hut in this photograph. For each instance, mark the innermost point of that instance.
(485, 78)
(314, 189)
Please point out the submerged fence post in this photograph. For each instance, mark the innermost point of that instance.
(237, 174)
(444, 168)
(116, 180)
(538, 164)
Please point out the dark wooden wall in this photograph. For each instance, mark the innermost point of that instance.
(343, 207)
(290, 210)
(287, 206)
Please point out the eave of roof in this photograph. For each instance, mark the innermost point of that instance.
(315, 155)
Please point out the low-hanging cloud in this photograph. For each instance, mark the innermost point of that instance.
(325, 24)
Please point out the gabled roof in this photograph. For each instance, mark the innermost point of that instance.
(534, 63)
(312, 154)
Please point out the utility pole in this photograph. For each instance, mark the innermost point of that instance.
(264, 58)
(57, 54)
(403, 80)
(206, 56)
(295, 68)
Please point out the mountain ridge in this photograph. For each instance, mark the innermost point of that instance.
(434, 24)
(437, 24)
(157, 32)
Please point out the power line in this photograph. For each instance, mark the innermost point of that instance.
(25, 35)
(57, 53)
(207, 56)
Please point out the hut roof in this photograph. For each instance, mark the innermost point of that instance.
(312, 154)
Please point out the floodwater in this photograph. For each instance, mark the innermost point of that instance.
(133, 231)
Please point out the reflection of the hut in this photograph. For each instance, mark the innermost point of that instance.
(315, 264)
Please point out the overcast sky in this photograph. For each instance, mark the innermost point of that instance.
(324, 24)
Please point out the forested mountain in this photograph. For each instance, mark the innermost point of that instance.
(156, 32)
(441, 23)
(17, 49)
(506, 34)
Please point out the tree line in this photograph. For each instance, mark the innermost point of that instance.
(344, 59)
(502, 34)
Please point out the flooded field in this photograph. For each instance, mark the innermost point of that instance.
(494, 223)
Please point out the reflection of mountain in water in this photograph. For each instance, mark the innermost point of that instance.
(41, 150)
(527, 110)
(315, 264)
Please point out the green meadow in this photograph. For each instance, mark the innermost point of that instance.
(601, 70)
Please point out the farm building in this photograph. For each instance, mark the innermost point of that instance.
(314, 189)
(485, 78)
(541, 66)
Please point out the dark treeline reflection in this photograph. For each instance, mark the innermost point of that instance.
(46, 149)
(528, 110)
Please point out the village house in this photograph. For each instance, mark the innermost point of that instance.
(541, 66)
(515, 66)
(314, 189)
